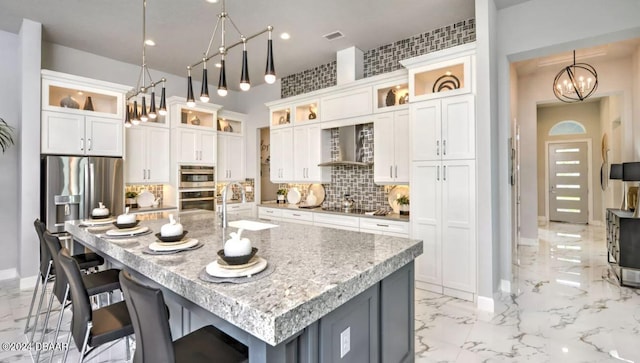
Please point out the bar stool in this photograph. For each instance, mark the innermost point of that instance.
(47, 272)
(95, 284)
(91, 328)
(153, 335)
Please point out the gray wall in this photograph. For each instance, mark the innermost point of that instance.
(522, 35)
(9, 111)
(588, 114)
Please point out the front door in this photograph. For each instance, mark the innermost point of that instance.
(568, 181)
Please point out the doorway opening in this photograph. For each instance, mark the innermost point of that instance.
(268, 190)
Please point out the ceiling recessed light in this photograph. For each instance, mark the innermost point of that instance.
(285, 36)
(212, 1)
(218, 65)
(150, 42)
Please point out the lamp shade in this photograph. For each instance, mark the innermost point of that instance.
(616, 172)
(631, 171)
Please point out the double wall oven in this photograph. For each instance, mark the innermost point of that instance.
(197, 187)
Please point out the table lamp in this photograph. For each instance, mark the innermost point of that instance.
(616, 174)
(631, 172)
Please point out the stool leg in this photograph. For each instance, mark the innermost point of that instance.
(46, 319)
(33, 300)
(44, 292)
(66, 350)
(55, 336)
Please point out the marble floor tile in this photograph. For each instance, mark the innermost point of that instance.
(566, 306)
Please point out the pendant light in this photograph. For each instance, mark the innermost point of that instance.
(245, 84)
(575, 82)
(204, 93)
(142, 87)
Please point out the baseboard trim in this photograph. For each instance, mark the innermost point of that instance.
(505, 286)
(27, 283)
(486, 304)
(528, 241)
(8, 274)
(542, 219)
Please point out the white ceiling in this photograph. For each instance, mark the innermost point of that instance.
(181, 29)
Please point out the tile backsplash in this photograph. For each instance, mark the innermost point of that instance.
(155, 189)
(354, 180)
(383, 59)
(237, 193)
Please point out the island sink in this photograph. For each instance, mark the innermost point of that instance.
(251, 225)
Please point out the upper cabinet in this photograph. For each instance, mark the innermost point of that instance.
(441, 74)
(148, 154)
(391, 149)
(193, 134)
(346, 104)
(391, 95)
(231, 147)
(81, 116)
(280, 117)
(310, 148)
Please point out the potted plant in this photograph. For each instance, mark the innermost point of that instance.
(130, 200)
(6, 135)
(403, 204)
(282, 193)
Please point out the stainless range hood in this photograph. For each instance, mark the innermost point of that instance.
(351, 147)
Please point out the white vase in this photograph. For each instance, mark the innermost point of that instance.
(404, 209)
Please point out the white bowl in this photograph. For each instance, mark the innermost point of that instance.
(126, 218)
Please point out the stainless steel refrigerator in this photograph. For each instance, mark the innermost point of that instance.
(71, 186)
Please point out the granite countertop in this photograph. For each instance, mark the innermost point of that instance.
(390, 216)
(160, 208)
(332, 267)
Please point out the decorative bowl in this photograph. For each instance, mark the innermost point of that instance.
(100, 217)
(125, 225)
(237, 260)
(176, 238)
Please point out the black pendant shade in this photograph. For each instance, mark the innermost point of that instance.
(245, 84)
(270, 71)
(222, 81)
(152, 105)
(190, 99)
(204, 92)
(127, 116)
(163, 101)
(143, 114)
(135, 120)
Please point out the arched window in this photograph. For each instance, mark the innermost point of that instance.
(568, 127)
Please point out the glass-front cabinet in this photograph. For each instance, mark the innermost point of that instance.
(442, 79)
(392, 95)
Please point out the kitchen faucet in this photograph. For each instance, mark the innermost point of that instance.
(224, 201)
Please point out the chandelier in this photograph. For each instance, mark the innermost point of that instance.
(245, 84)
(575, 82)
(132, 116)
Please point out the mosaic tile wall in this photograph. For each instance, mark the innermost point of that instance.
(155, 189)
(237, 193)
(383, 59)
(354, 180)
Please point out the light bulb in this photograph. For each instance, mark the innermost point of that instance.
(269, 78)
(163, 112)
(222, 92)
(135, 122)
(204, 98)
(245, 86)
(191, 103)
(127, 124)
(144, 118)
(152, 115)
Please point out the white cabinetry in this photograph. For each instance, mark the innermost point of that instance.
(147, 154)
(297, 216)
(231, 159)
(75, 134)
(443, 216)
(281, 145)
(444, 129)
(309, 144)
(196, 146)
(350, 103)
(337, 221)
(384, 227)
(239, 209)
(391, 147)
(81, 116)
(272, 214)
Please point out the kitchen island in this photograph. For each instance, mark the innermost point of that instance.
(332, 293)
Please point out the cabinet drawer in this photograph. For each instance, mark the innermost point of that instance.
(337, 221)
(269, 213)
(384, 226)
(297, 215)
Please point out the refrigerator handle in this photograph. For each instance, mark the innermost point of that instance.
(87, 187)
(92, 181)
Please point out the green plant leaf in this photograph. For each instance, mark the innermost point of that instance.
(6, 135)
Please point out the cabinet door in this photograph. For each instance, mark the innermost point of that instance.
(287, 155)
(103, 136)
(300, 153)
(208, 147)
(281, 154)
(158, 153)
(222, 169)
(383, 140)
(401, 147)
(319, 151)
(136, 155)
(458, 128)
(425, 130)
(188, 151)
(62, 133)
(426, 220)
(458, 225)
(234, 157)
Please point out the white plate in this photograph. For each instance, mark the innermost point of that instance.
(393, 195)
(97, 222)
(127, 231)
(215, 270)
(293, 196)
(145, 199)
(164, 247)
